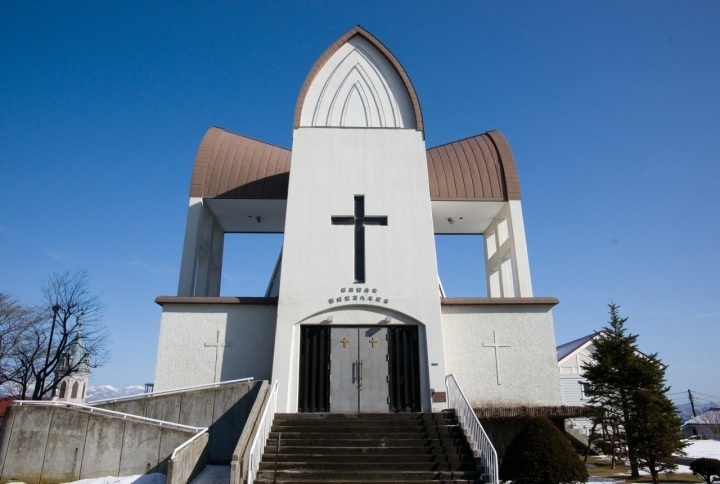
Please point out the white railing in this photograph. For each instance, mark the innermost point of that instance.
(110, 413)
(261, 434)
(167, 392)
(187, 443)
(479, 441)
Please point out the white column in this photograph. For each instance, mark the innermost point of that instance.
(506, 258)
(214, 278)
(492, 261)
(505, 255)
(188, 264)
(201, 266)
(521, 262)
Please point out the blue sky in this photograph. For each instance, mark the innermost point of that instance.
(611, 109)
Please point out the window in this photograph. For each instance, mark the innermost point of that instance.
(63, 387)
(74, 390)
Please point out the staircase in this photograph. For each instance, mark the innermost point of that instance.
(367, 447)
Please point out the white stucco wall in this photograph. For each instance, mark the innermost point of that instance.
(389, 168)
(184, 359)
(528, 368)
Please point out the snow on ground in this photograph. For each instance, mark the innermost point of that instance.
(211, 475)
(694, 450)
(703, 448)
(138, 479)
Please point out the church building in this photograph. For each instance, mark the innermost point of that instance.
(354, 318)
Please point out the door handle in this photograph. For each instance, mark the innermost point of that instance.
(361, 371)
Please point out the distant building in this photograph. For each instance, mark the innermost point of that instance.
(707, 425)
(74, 372)
(572, 358)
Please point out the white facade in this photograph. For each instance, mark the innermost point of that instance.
(500, 353)
(572, 358)
(359, 221)
(209, 343)
(73, 373)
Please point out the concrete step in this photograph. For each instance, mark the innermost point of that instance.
(386, 467)
(327, 436)
(362, 479)
(356, 447)
(394, 458)
(370, 425)
(349, 451)
(368, 429)
(364, 416)
(362, 476)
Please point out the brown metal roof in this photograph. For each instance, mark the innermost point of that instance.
(333, 48)
(229, 165)
(477, 168)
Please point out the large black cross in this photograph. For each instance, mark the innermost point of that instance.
(360, 221)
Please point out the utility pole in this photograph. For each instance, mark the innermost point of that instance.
(692, 403)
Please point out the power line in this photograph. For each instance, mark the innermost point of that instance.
(711, 396)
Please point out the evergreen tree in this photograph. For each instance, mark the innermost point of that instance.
(617, 372)
(660, 436)
(706, 468)
(541, 454)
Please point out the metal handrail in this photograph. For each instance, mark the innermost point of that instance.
(261, 434)
(174, 390)
(187, 442)
(110, 413)
(478, 439)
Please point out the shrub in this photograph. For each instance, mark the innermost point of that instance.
(540, 453)
(706, 468)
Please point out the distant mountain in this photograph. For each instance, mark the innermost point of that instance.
(104, 392)
(685, 410)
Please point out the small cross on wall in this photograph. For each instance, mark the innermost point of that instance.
(344, 341)
(217, 344)
(373, 342)
(497, 346)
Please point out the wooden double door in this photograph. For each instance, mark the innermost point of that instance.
(359, 369)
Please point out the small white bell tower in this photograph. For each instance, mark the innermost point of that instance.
(74, 371)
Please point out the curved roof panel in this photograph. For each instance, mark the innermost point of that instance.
(229, 165)
(477, 168)
(232, 166)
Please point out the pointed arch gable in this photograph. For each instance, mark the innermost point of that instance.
(325, 57)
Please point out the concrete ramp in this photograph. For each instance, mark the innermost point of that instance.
(53, 442)
(213, 475)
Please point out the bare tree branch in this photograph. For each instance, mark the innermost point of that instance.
(34, 342)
